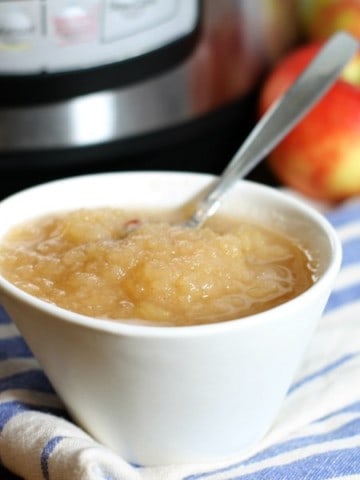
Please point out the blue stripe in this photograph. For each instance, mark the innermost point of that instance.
(10, 409)
(14, 347)
(34, 380)
(353, 407)
(322, 466)
(323, 371)
(343, 296)
(351, 252)
(47, 450)
(312, 467)
(346, 430)
(4, 317)
(344, 216)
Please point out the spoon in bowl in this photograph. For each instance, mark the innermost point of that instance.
(280, 118)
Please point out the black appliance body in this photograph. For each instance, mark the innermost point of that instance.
(93, 85)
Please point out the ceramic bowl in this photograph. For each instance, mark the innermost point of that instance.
(159, 395)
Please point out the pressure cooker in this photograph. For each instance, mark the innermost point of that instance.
(99, 84)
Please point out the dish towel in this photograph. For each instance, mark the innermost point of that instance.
(315, 436)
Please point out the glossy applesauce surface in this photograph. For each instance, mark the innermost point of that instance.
(142, 268)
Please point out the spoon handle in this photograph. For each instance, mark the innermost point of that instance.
(280, 118)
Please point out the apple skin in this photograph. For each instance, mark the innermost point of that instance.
(321, 18)
(320, 157)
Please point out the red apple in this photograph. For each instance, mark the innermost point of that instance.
(321, 155)
(322, 18)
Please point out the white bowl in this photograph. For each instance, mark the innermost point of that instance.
(172, 394)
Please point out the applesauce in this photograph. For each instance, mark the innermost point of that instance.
(142, 267)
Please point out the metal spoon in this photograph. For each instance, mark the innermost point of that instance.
(285, 113)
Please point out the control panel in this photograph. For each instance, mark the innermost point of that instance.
(59, 35)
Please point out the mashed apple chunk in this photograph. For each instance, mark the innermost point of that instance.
(107, 263)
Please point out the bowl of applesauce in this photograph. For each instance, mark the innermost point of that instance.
(167, 344)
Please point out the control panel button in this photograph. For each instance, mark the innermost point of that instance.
(16, 26)
(125, 17)
(76, 23)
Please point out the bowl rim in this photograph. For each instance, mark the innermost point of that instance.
(147, 330)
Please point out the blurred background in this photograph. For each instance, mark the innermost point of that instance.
(95, 85)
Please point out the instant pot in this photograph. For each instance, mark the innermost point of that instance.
(91, 85)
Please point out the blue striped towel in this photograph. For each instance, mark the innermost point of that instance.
(316, 435)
